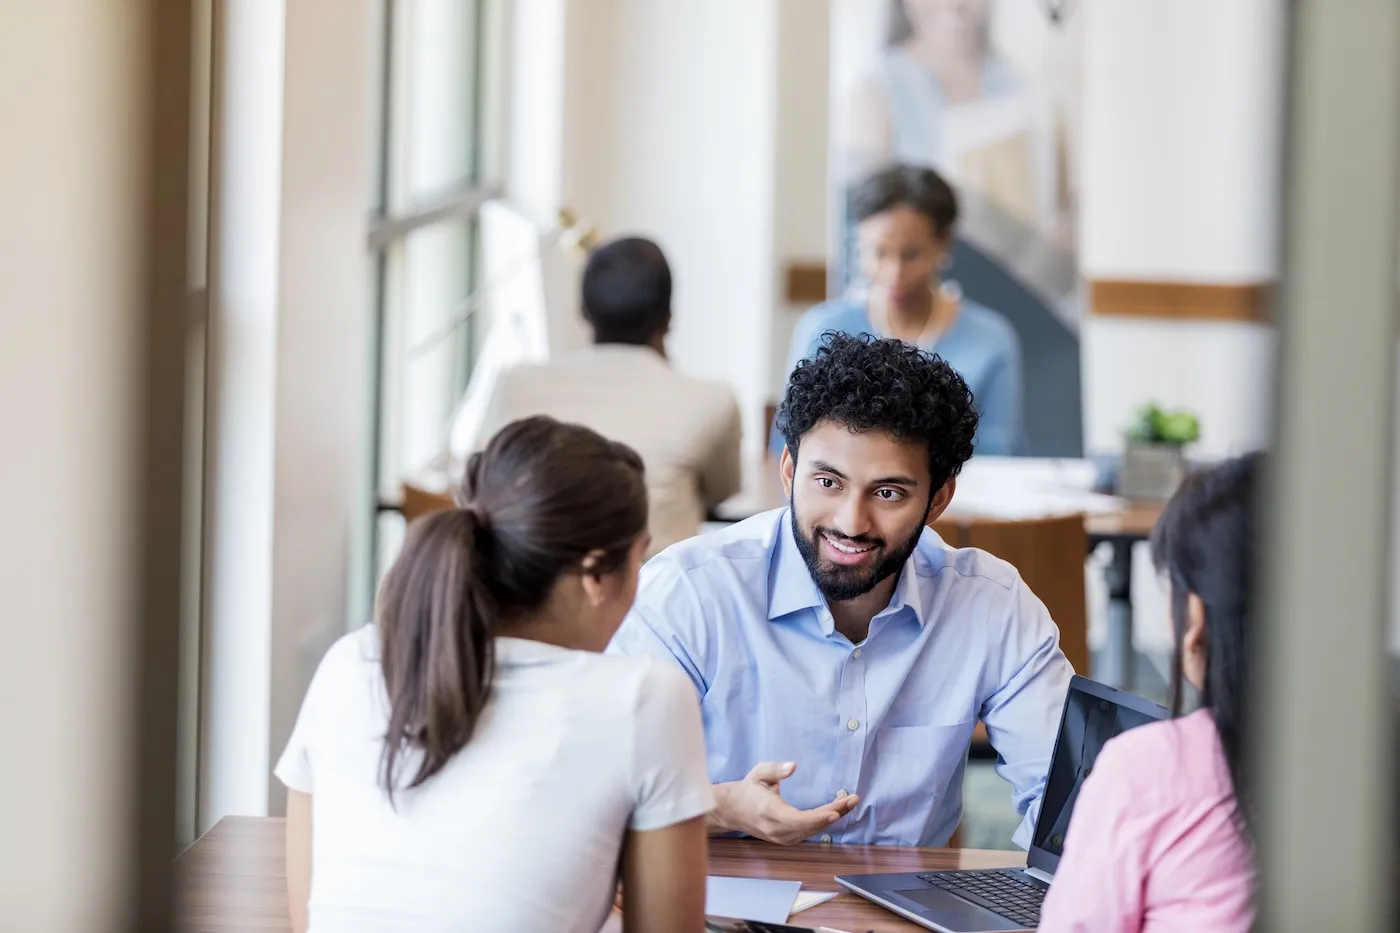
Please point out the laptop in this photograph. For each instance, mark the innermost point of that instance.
(1006, 899)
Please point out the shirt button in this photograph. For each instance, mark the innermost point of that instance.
(841, 793)
(825, 840)
(856, 654)
(853, 724)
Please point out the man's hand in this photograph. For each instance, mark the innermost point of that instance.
(754, 807)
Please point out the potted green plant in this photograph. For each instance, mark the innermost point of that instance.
(1154, 460)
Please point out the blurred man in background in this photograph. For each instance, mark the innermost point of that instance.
(623, 386)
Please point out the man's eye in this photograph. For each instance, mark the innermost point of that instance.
(889, 495)
(826, 482)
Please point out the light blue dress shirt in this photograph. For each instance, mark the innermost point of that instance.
(981, 346)
(889, 719)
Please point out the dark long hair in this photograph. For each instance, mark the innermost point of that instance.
(1204, 542)
(539, 499)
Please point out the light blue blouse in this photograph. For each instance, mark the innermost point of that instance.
(981, 346)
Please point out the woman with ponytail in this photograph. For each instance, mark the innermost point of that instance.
(472, 761)
(1161, 837)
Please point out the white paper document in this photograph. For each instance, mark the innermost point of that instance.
(750, 898)
(807, 899)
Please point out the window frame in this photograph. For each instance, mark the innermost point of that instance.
(391, 226)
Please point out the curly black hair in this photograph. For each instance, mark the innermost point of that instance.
(871, 384)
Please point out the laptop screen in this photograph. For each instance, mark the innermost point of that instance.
(1093, 715)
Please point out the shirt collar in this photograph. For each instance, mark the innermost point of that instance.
(612, 354)
(790, 584)
(791, 587)
(907, 593)
(513, 652)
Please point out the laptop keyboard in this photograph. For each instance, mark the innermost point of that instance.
(1008, 893)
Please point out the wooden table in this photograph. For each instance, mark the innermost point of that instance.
(233, 877)
(1134, 523)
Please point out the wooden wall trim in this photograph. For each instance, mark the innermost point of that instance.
(1243, 301)
(1247, 301)
(806, 283)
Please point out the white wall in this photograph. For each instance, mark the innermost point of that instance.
(73, 96)
(289, 375)
(1221, 370)
(1183, 121)
(534, 118)
(1182, 147)
(322, 497)
(1181, 167)
(801, 209)
(703, 125)
(668, 130)
(246, 199)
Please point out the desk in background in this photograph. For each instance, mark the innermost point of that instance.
(234, 877)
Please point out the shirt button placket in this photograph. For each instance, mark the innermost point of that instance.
(851, 746)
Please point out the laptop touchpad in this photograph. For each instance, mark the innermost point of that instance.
(954, 913)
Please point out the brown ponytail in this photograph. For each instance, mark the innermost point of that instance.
(438, 670)
(539, 499)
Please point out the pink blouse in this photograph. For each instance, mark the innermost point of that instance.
(1152, 845)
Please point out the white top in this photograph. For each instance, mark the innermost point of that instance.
(687, 430)
(523, 828)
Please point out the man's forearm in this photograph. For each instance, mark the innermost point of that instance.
(717, 820)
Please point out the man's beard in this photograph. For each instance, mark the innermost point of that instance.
(839, 584)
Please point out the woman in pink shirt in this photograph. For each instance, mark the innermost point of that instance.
(1160, 838)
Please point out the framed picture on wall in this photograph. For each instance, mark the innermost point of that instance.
(986, 92)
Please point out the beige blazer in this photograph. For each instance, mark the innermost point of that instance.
(687, 430)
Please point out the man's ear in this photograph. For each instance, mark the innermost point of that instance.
(786, 467)
(941, 500)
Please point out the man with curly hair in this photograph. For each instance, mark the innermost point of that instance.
(838, 646)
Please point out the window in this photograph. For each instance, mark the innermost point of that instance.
(437, 162)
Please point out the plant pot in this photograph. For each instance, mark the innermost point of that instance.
(1151, 471)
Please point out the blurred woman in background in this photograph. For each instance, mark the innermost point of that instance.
(471, 761)
(904, 220)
